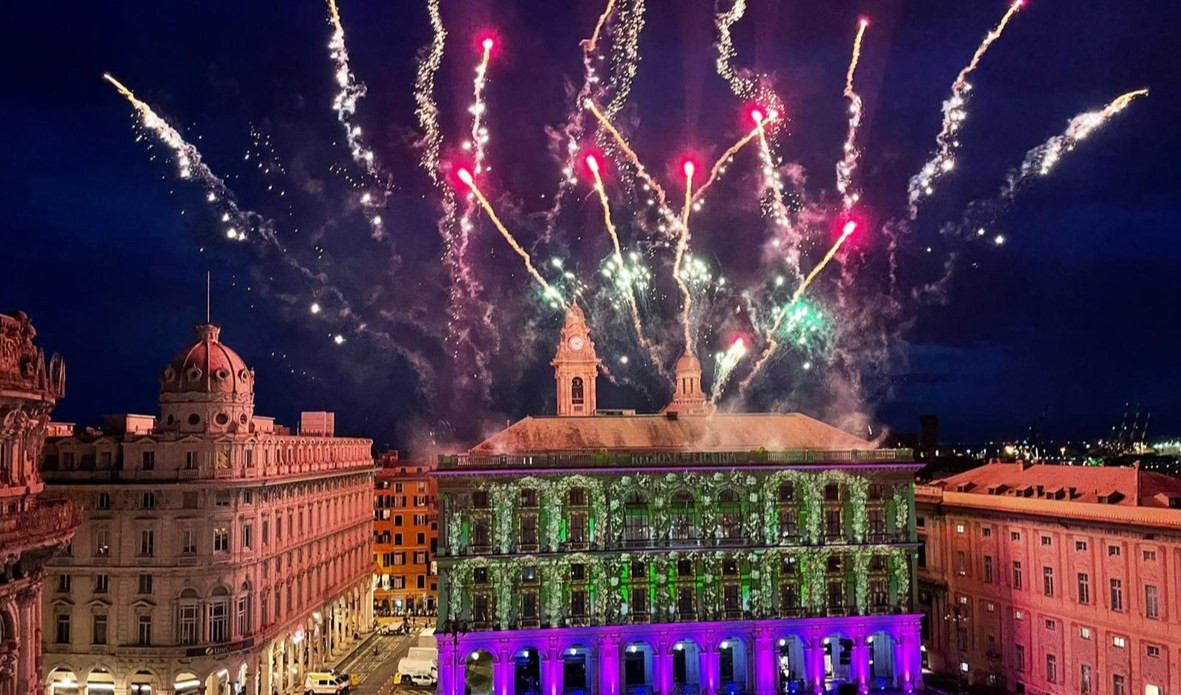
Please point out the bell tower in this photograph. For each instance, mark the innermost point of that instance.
(576, 366)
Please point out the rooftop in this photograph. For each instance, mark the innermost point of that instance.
(721, 432)
(1110, 485)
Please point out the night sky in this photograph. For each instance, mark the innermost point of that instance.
(107, 251)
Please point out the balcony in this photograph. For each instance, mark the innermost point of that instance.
(47, 522)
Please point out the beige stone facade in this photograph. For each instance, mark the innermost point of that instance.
(220, 554)
(32, 528)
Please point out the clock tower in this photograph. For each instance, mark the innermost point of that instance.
(576, 366)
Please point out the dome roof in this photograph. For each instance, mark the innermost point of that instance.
(207, 367)
(688, 363)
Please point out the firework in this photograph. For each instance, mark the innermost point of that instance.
(849, 161)
(660, 197)
(773, 332)
(743, 83)
(1041, 160)
(619, 269)
(955, 112)
(683, 245)
(476, 147)
(772, 181)
(726, 362)
(724, 161)
(345, 104)
(550, 293)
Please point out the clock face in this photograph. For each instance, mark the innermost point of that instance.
(576, 343)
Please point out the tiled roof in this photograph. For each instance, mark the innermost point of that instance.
(1097, 484)
(660, 433)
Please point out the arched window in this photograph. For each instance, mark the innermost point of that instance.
(576, 394)
(219, 615)
(188, 612)
(730, 521)
(242, 617)
(683, 530)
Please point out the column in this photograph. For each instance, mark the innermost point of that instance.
(609, 664)
(860, 662)
(765, 662)
(710, 665)
(814, 655)
(446, 664)
(552, 669)
(28, 604)
(265, 677)
(502, 671)
(662, 665)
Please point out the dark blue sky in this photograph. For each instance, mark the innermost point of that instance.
(107, 251)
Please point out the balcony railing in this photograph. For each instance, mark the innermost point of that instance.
(680, 460)
(39, 525)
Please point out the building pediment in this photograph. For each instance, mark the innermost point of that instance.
(99, 603)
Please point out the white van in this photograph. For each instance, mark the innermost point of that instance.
(325, 683)
(417, 671)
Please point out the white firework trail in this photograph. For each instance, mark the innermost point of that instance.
(955, 112)
(345, 104)
(743, 83)
(1041, 160)
(243, 225)
(848, 163)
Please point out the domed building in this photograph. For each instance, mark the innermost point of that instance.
(219, 553)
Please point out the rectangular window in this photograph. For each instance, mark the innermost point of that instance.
(99, 630)
(1113, 551)
(1117, 685)
(1014, 535)
(62, 634)
(1051, 624)
(1153, 651)
(1080, 545)
(1046, 540)
(1048, 581)
(102, 583)
(1151, 603)
(1084, 632)
(145, 583)
(959, 528)
(1119, 641)
(188, 542)
(961, 562)
(147, 543)
(221, 540)
(104, 500)
(219, 621)
(145, 630)
(639, 602)
(1084, 588)
(1051, 668)
(1020, 657)
(190, 460)
(578, 603)
(1150, 556)
(1084, 679)
(986, 531)
(63, 583)
(242, 616)
(149, 460)
(988, 569)
(1117, 595)
(247, 536)
(102, 543)
(1017, 574)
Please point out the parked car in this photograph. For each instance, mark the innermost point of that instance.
(325, 683)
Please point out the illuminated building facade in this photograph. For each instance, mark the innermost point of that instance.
(405, 537)
(32, 528)
(219, 554)
(677, 552)
(1053, 579)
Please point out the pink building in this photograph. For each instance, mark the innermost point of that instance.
(1053, 579)
(32, 528)
(219, 553)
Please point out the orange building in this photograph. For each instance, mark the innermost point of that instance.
(1053, 579)
(405, 537)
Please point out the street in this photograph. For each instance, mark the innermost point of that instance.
(377, 672)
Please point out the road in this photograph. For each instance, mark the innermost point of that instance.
(377, 672)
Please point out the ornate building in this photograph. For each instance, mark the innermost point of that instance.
(676, 552)
(405, 537)
(219, 552)
(32, 528)
(1053, 579)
